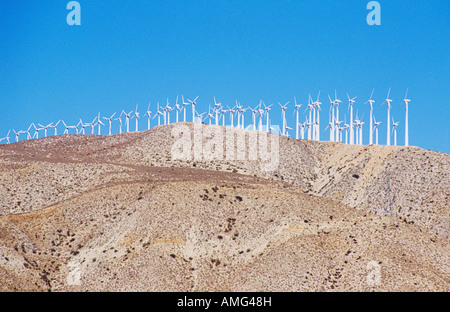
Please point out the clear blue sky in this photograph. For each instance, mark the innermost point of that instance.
(132, 52)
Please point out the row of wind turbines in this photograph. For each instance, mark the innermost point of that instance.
(340, 131)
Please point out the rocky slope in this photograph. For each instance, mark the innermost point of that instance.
(119, 213)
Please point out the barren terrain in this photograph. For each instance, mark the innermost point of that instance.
(118, 213)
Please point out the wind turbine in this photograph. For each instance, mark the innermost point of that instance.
(55, 126)
(296, 107)
(376, 124)
(337, 102)
(283, 115)
(100, 124)
(261, 115)
(168, 109)
(28, 131)
(158, 114)
(193, 108)
(7, 138)
(346, 126)
(394, 130)
(66, 130)
(287, 130)
(93, 124)
(223, 112)
(331, 119)
(149, 116)
(200, 116)
(243, 110)
(36, 133)
(45, 128)
(388, 101)
(238, 114)
(216, 110)
(267, 109)
(370, 101)
(231, 111)
(177, 108)
(254, 112)
(317, 104)
(83, 126)
(350, 105)
(184, 107)
(302, 129)
(106, 118)
(120, 121)
(310, 108)
(406, 101)
(137, 116)
(127, 119)
(17, 134)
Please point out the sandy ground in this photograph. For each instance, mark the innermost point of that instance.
(118, 213)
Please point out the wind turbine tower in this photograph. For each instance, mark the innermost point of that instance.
(370, 101)
(406, 101)
(350, 104)
(388, 101)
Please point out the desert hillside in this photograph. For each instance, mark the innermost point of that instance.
(125, 215)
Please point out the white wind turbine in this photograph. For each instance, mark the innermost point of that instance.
(296, 109)
(394, 130)
(302, 129)
(158, 114)
(7, 138)
(67, 128)
(99, 123)
(346, 127)
(193, 103)
(310, 107)
(55, 126)
(83, 126)
(223, 112)
(231, 111)
(283, 116)
(45, 128)
(376, 125)
(350, 105)
(331, 119)
(167, 110)
(261, 116)
(388, 101)
(370, 101)
(149, 116)
(243, 110)
(127, 119)
(120, 118)
(177, 108)
(254, 112)
(238, 114)
(287, 130)
(267, 109)
(184, 107)
(136, 116)
(317, 104)
(92, 125)
(106, 118)
(28, 131)
(36, 132)
(17, 134)
(406, 101)
(216, 110)
(336, 103)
